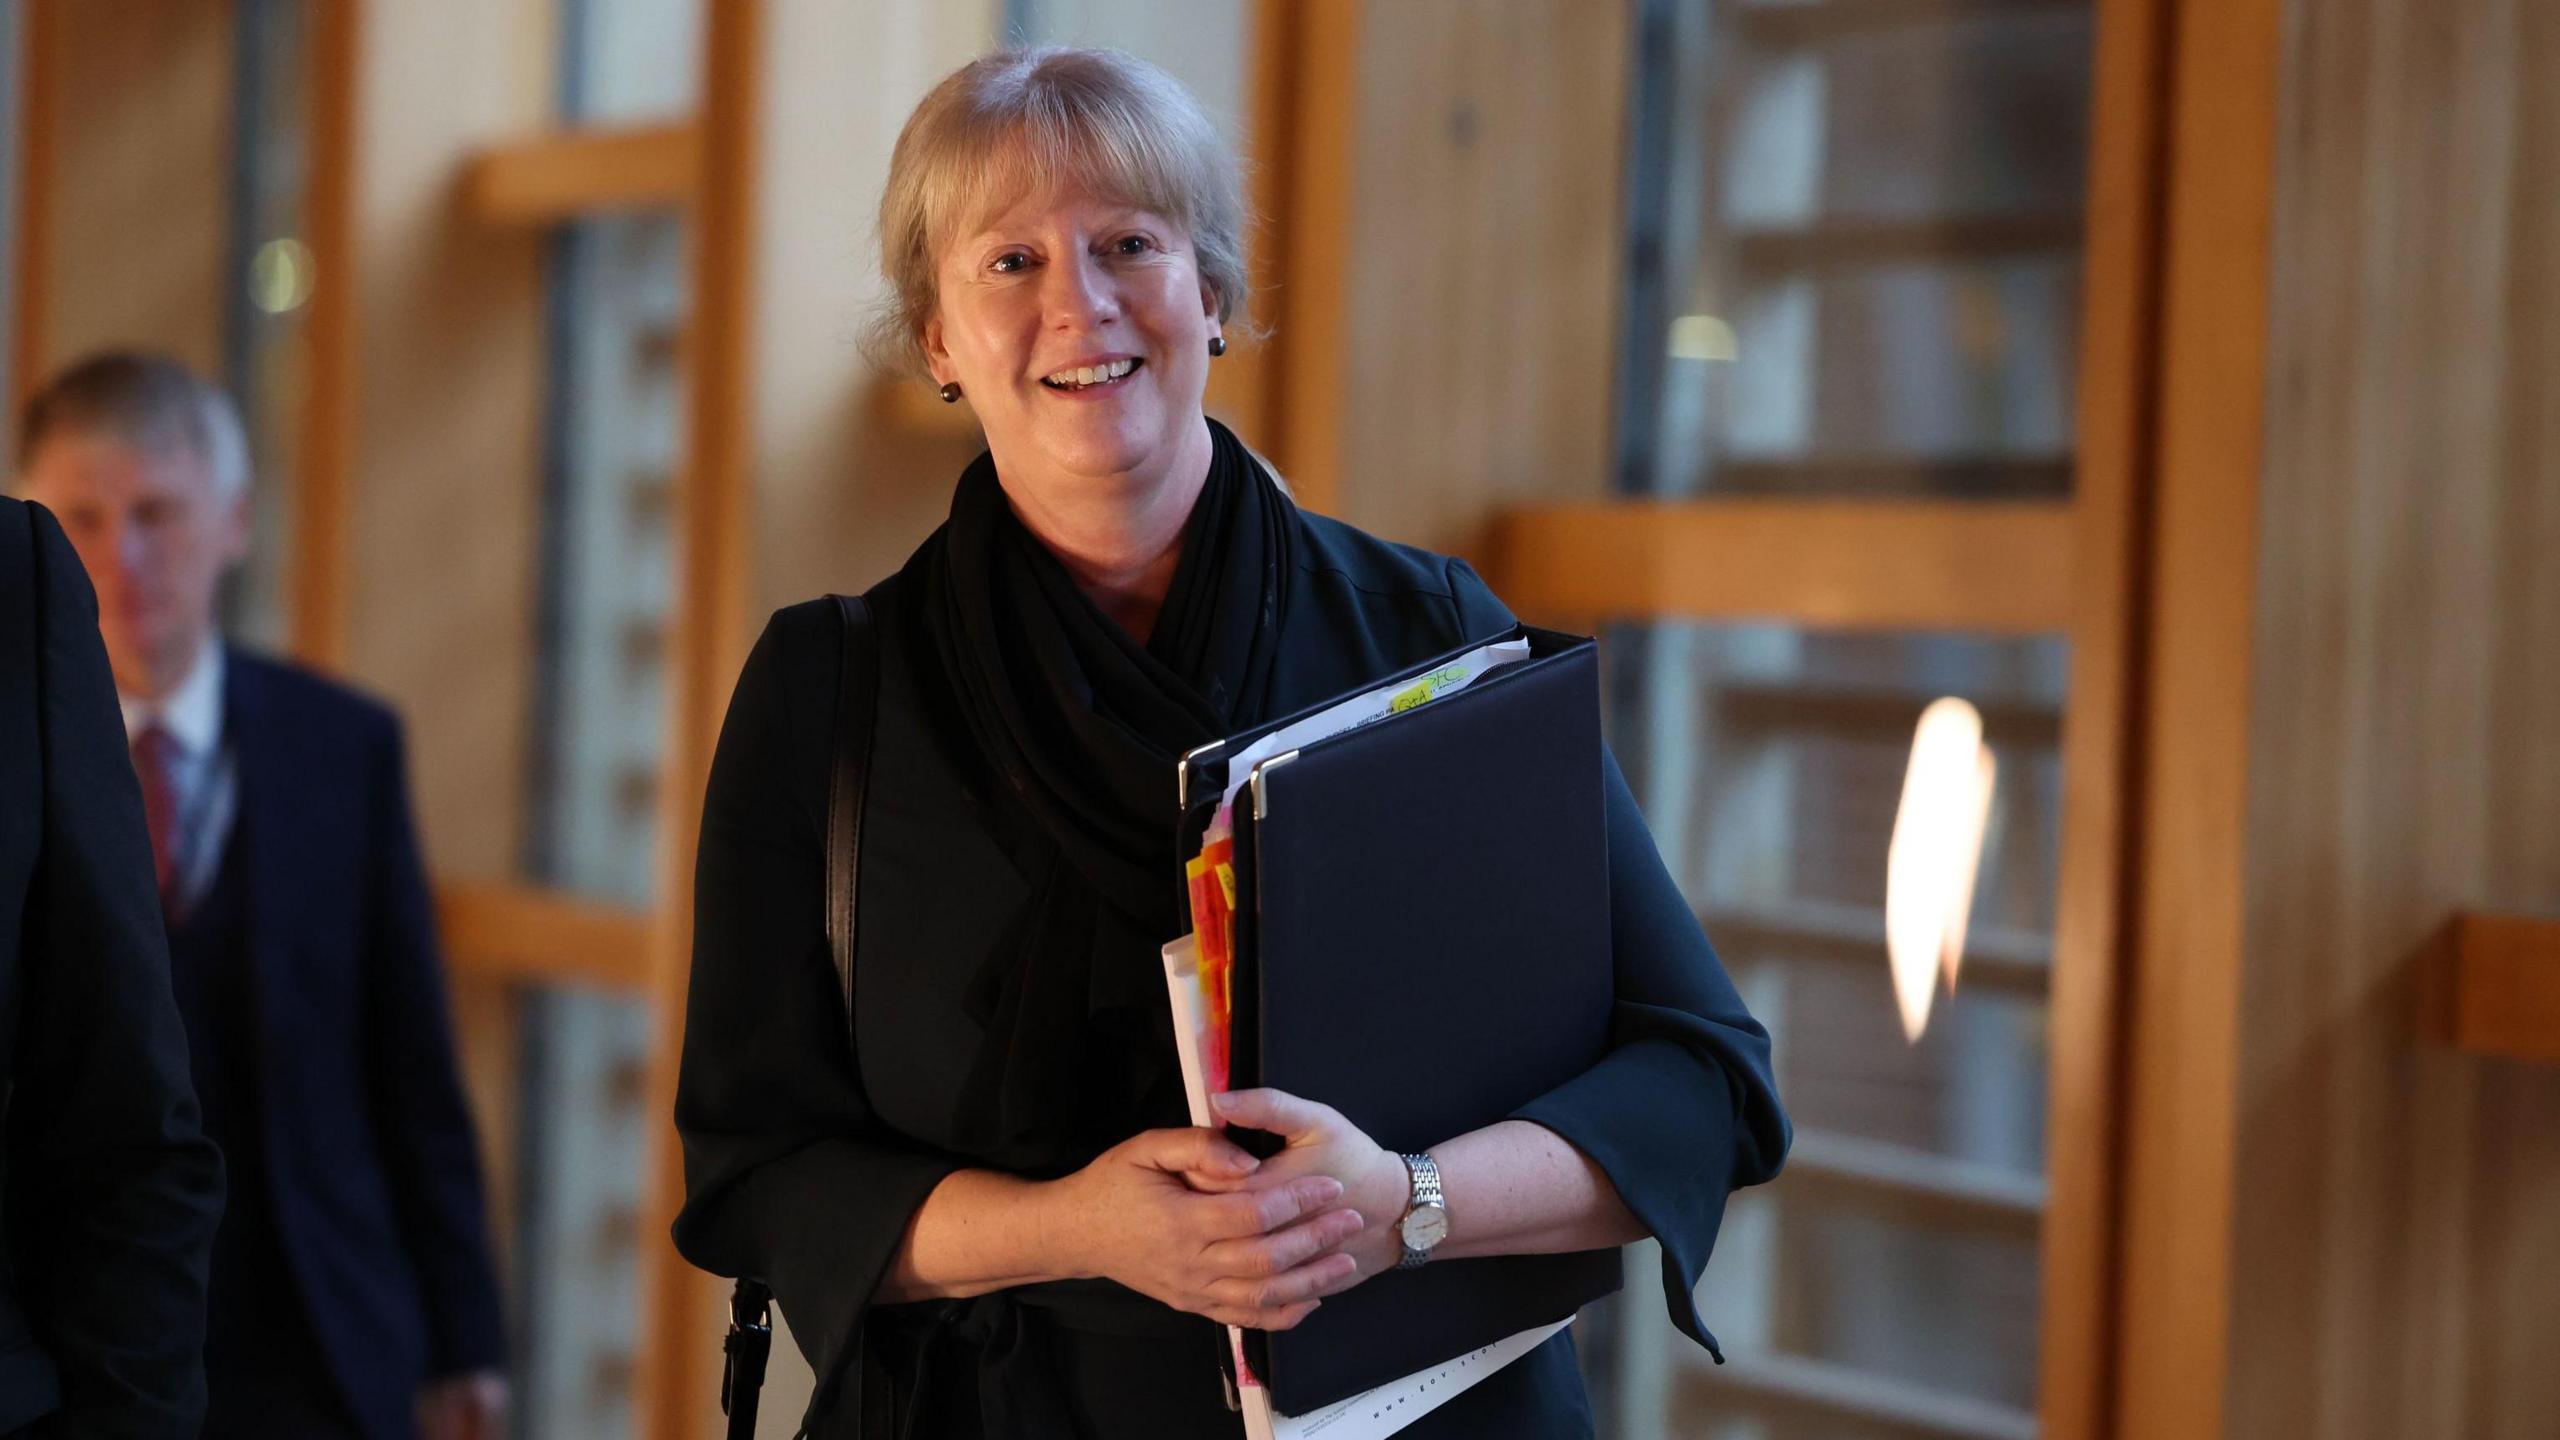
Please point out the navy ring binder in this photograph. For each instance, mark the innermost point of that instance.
(1422, 942)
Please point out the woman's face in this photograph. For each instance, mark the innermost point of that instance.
(1079, 329)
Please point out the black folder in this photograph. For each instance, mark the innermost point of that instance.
(1422, 942)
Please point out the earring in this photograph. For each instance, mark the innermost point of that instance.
(951, 393)
(1217, 346)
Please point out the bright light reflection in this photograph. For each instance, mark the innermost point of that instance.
(1703, 337)
(280, 276)
(1936, 850)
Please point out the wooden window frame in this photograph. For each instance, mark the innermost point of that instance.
(2072, 567)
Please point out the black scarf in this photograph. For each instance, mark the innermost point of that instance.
(1085, 727)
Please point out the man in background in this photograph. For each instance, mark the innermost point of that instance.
(111, 1189)
(352, 1293)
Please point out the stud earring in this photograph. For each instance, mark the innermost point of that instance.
(1217, 346)
(951, 393)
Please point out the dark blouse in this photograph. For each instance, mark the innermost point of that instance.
(807, 1151)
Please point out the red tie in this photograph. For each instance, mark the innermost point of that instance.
(155, 760)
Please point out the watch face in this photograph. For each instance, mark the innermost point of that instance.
(1424, 1227)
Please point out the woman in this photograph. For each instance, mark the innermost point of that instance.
(983, 1211)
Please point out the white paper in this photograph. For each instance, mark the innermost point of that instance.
(1391, 1407)
(1364, 709)
(1373, 1414)
(1182, 979)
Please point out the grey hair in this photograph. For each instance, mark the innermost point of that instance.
(1011, 123)
(150, 402)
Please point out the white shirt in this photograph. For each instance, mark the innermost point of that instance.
(206, 777)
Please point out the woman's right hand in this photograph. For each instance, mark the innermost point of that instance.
(1161, 1213)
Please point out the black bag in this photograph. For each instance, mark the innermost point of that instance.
(750, 1340)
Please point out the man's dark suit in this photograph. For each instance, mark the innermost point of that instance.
(111, 1191)
(367, 1160)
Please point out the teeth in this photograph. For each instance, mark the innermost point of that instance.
(1092, 374)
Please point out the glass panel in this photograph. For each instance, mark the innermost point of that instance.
(630, 61)
(271, 270)
(1887, 1282)
(581, 1139)
(1855, 248)
(618, 322)
(618, 305)
(1199, 42)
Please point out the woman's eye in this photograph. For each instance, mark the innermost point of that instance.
(1132, 245)
(1010, 264)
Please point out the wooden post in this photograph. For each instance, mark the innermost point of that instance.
(679, 1368)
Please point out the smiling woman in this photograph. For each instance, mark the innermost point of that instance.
(1052, 216)
(981, 1207)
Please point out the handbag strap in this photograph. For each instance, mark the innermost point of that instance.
(857, 715)
(750, 1339)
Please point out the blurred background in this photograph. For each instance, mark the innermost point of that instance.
(2169, 379)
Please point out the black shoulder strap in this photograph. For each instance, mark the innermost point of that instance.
(750, 1338)
(857, 713)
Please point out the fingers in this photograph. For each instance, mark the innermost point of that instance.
(1325, 1271)
(1197, 1151)
(1215, 1182)
(1286, 1318)
(1277, 1111)
(1248, 1213)
(1269, 1257)
(1273, 1253)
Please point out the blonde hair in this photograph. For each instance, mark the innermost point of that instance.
(1016, 122)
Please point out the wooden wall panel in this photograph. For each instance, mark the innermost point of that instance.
(2393, 1246)
(444, 493)
(139, 142)
(1478, 327)
(677, 1380)
(843, 490)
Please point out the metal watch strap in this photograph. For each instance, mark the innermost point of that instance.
(1425, 1175)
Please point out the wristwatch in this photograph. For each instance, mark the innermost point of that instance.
(1426, 1218)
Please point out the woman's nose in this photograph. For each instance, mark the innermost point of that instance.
(1080, 293)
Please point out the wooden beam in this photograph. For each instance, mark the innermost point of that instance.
(322, 540)
(678, 1371)
(2189, 859)
(1917, 565)
(522, 934)
(555, 178)
(1324, 96)
(2506, 986)
(2080, 1279)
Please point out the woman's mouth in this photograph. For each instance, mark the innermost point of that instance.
(1095, 377)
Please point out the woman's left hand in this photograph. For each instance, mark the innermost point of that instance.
(1321, 1142)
